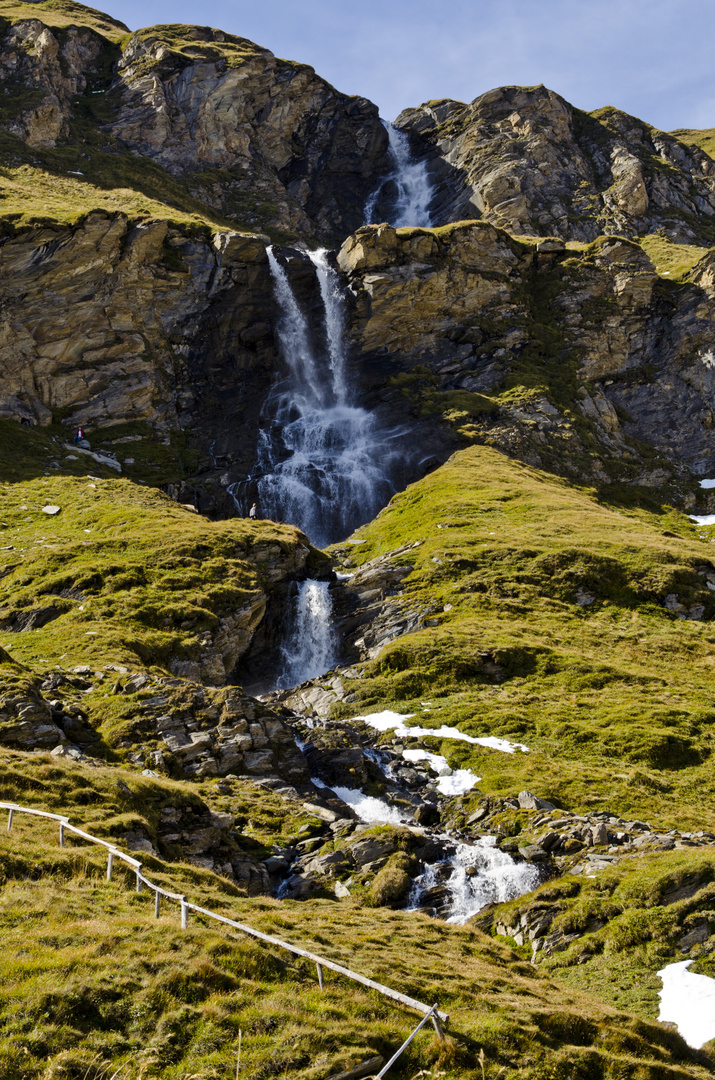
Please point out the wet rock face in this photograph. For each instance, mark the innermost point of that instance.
(527, 161)
(275, 130)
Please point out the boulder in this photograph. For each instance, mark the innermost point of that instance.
(527, 801)
(371, 848)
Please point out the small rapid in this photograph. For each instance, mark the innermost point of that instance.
(474, 876)
(459, 878)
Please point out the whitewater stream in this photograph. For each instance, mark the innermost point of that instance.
(325, 463)
(406, 193)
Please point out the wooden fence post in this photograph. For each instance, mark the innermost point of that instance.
(157, 904)
(62, 834)
(110, 864)
(184, 913)
(320, 976)
(406, 1043)
(9, 819)
(139, 877)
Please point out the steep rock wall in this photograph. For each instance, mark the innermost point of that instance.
(552, 335)
(260, 140)
(526, 160)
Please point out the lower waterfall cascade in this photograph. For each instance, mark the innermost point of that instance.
(458, 878)
(309, 647)
(323, 463)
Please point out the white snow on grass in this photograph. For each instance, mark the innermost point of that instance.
(702, 519)
(688, 1000)
(386, 721)
(450, 781)
(707, 483)
(367, 808)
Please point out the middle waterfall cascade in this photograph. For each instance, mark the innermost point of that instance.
(410, 200)
(309, 647)
(323, 463)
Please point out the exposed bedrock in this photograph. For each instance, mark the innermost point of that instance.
(470, 308)
(260, 140)
(525, 159)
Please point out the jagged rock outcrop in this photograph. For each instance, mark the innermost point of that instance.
(471, 305)
(261, 140)
(526, 160)
(43, 70)
(168, 725)
(276, 130)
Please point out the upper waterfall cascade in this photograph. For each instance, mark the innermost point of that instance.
(410, 201)
(323, 462)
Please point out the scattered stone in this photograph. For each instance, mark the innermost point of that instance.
(51, 510)
(527, 801)
(323, 812)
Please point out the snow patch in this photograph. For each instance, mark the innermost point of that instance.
(387, 720)
(707, 483)
(702, 519)
(688, 1000)
(450, 781)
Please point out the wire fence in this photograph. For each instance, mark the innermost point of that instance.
(431, 1012)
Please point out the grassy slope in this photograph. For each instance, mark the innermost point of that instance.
(63, 13)
(614, 699)
(138, 578)
(91, 982)
(704, 138)
(641, 926)
(674, 261)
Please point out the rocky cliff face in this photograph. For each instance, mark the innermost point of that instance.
(581, 358)
(524, 159)
(260, 140)
(554, 335)
(262, 128)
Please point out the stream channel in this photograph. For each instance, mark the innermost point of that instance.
(327, 464)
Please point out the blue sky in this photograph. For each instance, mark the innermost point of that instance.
(652, 58)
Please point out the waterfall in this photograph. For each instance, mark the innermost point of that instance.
(323, 463)
(309, 648)
(293, 331)
(412, 194)
(334, 307)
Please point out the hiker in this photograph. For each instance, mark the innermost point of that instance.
(79, 436)
(253, 512)
(26, 421)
